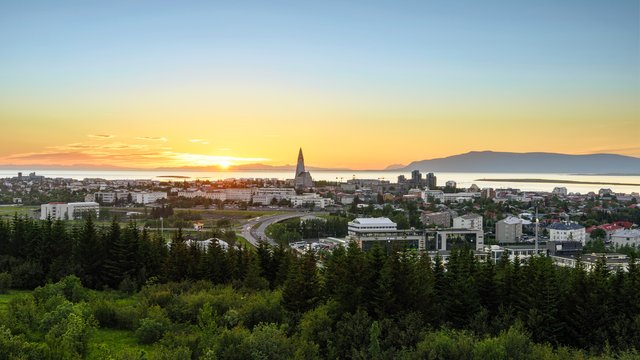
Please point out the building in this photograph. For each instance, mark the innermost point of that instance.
(613, 261)
(488, 193)
(459, 196)
(367, 232)
(416, 178)
(449, 239)
(148, 197)
(626, 237)
(310, 198)
(468, 221)
(432, 195)
(213, 195)
(566, 231)
(103, 197)
(509, 230)
(239, 194)
(68, 211)
(473, 188)
(302, 179)
(451, 184)
(564, 248)
(440, 219)
(559, 191)
(265, 196)
(520, 251)
(368, 225)
(432, 181)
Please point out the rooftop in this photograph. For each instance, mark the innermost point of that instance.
(381, 221)
(565, 226)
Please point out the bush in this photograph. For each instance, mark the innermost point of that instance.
(150, 330)
(5, 282)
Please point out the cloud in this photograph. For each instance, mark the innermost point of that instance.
(151, 138)
(101, 136)
(199, 141)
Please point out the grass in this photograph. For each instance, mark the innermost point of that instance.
(5, 298)
(9, 211)
(245, 243)
(105, 342)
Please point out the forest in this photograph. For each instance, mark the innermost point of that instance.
(71, 289)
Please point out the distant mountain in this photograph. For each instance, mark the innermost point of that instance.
(395, 167)
(533, 162)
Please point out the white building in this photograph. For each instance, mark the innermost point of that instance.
(213, 195)
(626, 237)
(239, 194)
(560, 191)
(369, 225)
(468, 221)
(459, 197)
(265, 196)
(565, 231)
(70, 211)
(148, 197)
(310, 198)
(432, 195)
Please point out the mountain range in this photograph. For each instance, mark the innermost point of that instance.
(530, 162)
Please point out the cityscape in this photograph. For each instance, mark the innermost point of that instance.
(354, 180)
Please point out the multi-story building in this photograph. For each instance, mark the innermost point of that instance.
(450, 184)
(459, 196)
(265, 196)
(148, 197)
(367, 232)
(566, 231)
(559, 191)
(448, 239)
(239, 194)
(68, 211)
(416, 178)
(440, 219)
(104, 197)
(509, 230)
(310, 198)
(626, 237)
(468, 221)
(432, 181)
(432, 195)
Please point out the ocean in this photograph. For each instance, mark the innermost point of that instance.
(463, 179)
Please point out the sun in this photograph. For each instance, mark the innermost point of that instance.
(224, 164)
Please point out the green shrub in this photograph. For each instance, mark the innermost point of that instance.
(150, 330)
(5, 282)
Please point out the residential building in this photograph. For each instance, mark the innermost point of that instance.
(416, 178)
(265, 196)
(509, 230)
(310, 198)
(440, 219)
(559, 191)
(148, 197)
(468, 221)
(567, 231)
(432, 195)
(626, 237)
(451, 184)
(67, 211)
(432, 181)
(459, 196)
(613, 261)
(239, 194)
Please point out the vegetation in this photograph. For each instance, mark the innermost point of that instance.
(119, 293)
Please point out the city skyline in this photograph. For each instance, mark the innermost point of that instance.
(357, 85)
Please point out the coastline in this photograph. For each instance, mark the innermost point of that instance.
(555, 181)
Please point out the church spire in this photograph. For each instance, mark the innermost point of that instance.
(300, 167)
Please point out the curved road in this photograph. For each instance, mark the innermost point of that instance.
(254, 229)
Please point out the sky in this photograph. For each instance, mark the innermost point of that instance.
(356, 84)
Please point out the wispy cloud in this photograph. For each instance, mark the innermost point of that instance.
(151, 138)
(101, 136)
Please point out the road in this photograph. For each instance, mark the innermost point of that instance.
(254, 229)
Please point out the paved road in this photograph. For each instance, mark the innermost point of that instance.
(255, 235)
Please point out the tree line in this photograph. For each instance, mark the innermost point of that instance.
(405, 293)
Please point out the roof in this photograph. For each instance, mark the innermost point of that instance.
(470, 216)
(565, 226)
(511, 220)
(374, 221)
(626, 233)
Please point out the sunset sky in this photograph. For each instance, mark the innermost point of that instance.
(358, 84)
